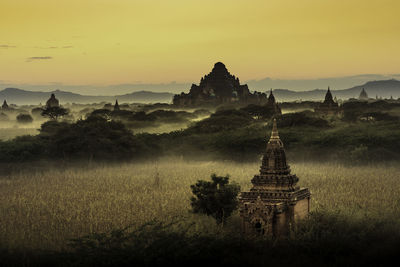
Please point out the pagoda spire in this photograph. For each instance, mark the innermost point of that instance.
(274, 133)
(116, 106)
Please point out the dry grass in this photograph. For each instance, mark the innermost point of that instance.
(46, 208)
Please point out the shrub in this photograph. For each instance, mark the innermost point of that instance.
(24, 118)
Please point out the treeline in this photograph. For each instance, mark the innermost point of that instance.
(234, 134)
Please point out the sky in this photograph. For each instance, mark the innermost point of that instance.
(99, 42)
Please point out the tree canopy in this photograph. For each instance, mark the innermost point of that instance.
(216, 198)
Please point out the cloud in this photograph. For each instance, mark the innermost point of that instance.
(30, 59)
(54, 47)
(7, 46)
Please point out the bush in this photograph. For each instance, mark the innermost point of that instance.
(24, 118)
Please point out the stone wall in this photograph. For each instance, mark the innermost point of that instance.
(301, 209)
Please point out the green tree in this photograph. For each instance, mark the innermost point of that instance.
(216, 198)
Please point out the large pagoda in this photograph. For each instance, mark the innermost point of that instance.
(219, 87)
(275, 201)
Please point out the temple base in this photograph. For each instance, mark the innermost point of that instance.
(273, 212)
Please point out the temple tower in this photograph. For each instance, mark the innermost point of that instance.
(272, 105)
(116, 106)
(363, 95)
(275, 201)
(5, 105)
(329, 106)
(52, 102)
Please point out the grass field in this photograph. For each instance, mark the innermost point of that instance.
(43, 209)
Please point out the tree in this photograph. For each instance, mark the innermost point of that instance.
(94, 138)
(217, 198)
(54, 112)
(24, 118)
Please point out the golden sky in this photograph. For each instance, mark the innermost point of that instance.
(155, 41)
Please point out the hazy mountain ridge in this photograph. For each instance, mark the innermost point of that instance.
(337, 83)
(382, 88)
(25, 97)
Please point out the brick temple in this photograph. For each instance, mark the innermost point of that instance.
(219, 87)
(275, 202)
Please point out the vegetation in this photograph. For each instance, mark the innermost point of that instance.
(226, 134)
(3, 117)
(54, 112)
(116, 215)
(217, 198)
(24, 118)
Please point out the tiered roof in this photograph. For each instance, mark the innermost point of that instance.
(275, 183)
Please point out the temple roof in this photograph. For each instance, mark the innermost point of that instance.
(116, 105)
(328, 96)
(271, 97)
(363, 94)
(274, 171)
(274, 160)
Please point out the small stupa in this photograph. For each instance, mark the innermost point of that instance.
(116, 106)
(275, 202)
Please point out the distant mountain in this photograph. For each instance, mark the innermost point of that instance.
(145, 97)
(384, 89)
(338, 83)
(24, 97)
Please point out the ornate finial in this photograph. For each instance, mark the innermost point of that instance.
(274, 134)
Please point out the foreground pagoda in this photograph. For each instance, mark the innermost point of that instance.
(274, 202)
